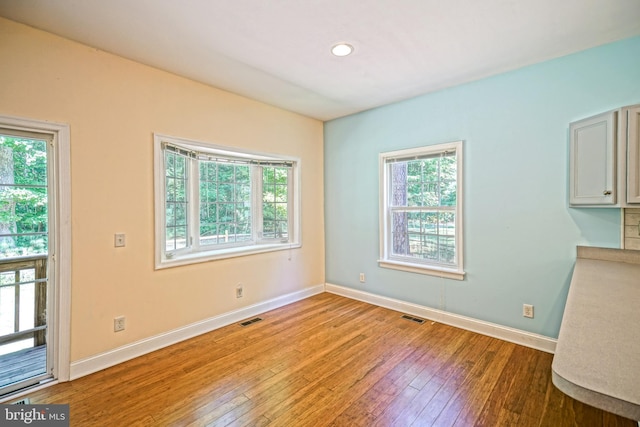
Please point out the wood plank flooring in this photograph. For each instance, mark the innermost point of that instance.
(329, 361)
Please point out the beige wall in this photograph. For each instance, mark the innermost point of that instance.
(113, 106)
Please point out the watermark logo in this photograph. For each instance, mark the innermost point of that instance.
(34, 415)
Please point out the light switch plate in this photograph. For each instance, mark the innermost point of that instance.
(119, 240)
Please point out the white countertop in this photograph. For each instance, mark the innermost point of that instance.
(597, 357)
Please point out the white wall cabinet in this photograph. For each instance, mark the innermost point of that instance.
(633, 154)
(605, 159)
(592, 160)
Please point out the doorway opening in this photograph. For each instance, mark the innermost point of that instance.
(31, 243)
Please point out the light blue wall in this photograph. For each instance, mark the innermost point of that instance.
(520, 235)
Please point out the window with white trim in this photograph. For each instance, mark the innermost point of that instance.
(216, 202)
(421, 210)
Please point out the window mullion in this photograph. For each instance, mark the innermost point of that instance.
(422, 208)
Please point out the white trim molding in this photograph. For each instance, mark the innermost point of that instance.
(388, 258)
(517, 336)
(60, 253)
(130, 351)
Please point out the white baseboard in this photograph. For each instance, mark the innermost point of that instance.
(118, 355)
(517, 336)
(110, 358)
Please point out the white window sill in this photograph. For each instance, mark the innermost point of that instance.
(197, 257)
(430, 270)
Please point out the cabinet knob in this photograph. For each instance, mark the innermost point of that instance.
(606, 192)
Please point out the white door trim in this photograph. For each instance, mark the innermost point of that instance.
(61, 163)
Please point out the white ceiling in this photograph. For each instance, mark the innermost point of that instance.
(278, 51)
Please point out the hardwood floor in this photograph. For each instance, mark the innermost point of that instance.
(329, 361)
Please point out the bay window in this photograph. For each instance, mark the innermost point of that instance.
(216, 202)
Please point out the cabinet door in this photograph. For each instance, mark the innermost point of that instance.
(633, 155)
(592, 179)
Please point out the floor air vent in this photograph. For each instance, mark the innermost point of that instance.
(24, 401)
(250, 322)
(413, 319)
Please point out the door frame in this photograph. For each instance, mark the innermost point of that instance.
(60, 253)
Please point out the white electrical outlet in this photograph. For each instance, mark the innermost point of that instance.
(118, 324)
(527, 310)
(239, 291)
(361, 277)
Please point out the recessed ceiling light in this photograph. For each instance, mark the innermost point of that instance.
(342, 49)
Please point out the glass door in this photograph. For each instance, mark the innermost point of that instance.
(25, 285)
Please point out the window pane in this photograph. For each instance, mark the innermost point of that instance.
(23, 196)
(208, 212)
(21, 245)
(427, 235)
(398, 184)
(226, 173)
(269, 193)
(427, 188)
(269, 229)
(181, 237)
(429, 222)
(243, 193)
(176, 201)
(281, 193)
(225, 192)
(414, 169)
(281, 176)
(282, 229)
(171, 214)
(208, 171)
(170, 163)
(180, 210)
(414, 196)
(225, 203)
(170, 187)
(447, 249)
(281, 212)
(275, 197)
(230, 233)
(425, 182)
(268, 175)
(229, 210)
(244, 231)
(208, 228)
(225, 212)
(207, 231)
(400, 244)
(29, 209)
(209, 234)
(208, 193)
(448, 193)
(447, 224)
(180, 166)
(430, 193)
(242, 174)
(268, 211)
(176, 238)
